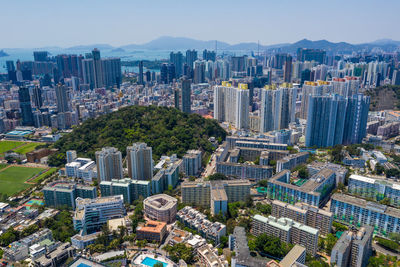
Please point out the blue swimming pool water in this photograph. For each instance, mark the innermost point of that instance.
(151, 262)
(83, 265)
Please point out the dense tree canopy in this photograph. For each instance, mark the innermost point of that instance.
(167, 130)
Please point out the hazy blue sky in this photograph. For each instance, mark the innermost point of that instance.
(36, 23)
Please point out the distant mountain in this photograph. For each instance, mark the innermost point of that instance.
(176, 43)
(3, 54)
(386, 42)
(91, 47)
(182, 43)
(342, 47)
(119, 50)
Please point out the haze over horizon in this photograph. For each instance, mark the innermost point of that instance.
(72, 23)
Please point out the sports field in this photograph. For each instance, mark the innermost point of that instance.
(18, 146)
(9, 145)
(12, 179)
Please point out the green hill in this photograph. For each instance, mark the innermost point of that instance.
(384, 97)
(167, 130)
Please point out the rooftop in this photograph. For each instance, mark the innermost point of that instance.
(293, 255)
(219, 194)
(152, 226)
(161, 202)
(373, 206)
(285, 224)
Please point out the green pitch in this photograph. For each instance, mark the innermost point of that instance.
(12, 179)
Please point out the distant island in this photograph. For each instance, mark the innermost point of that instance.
(118, 50)
(3, 54)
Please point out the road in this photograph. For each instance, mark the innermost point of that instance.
(210, 168)
(383, 250)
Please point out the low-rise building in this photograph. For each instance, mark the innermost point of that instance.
(375, 188)
(161, 207)
(55, 258)
(239, 244)
(287, 230)
(192, 162)
(244, 171)
(91, 214)
(353, 248)
(305, 214)
(209, 257)
(199, 222)
(291, 161)
(82, 241)
(129, 188)
(199, 193)
(315, 191)
(64, 193)
(152, 231)
(360, 212)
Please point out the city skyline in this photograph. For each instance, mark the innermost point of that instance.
(132, 22)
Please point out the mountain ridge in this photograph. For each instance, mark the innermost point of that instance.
(184, 43)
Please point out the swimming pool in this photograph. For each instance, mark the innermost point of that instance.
(83, 265)
(151, 262)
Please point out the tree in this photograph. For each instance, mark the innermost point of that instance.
(395, 237)
(330, 243)
(379, 169)
(263, 183)
(393, 173)
(341, 187)
(385, 201)
(265, 209)
(249, 201)
(303, 172)
(180, 251)
(158, 264)
(336, 154)
(271, 245)
(217, 176)
(387, 243)
(223, 241)
(114, 244)
(167, 130)
(321, 244)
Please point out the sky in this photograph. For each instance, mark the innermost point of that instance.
(65, 23)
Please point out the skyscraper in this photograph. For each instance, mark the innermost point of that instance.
(177, 60)
(40, 56)
(97, 67)
(199, 71)
(278, 107)
(25, 105)
(140, 80)
(191, 56)
(209, 55)
(171, 73)
(111, 71)
(232, 104)
(62, 98)
(164, 73)
(325, 120)
(186, 93)
(237, 64)
(139, 161)
(98, 72)
(355, 127)
(287, 70)
(37, 97)
(109, 164)
(308, 54)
